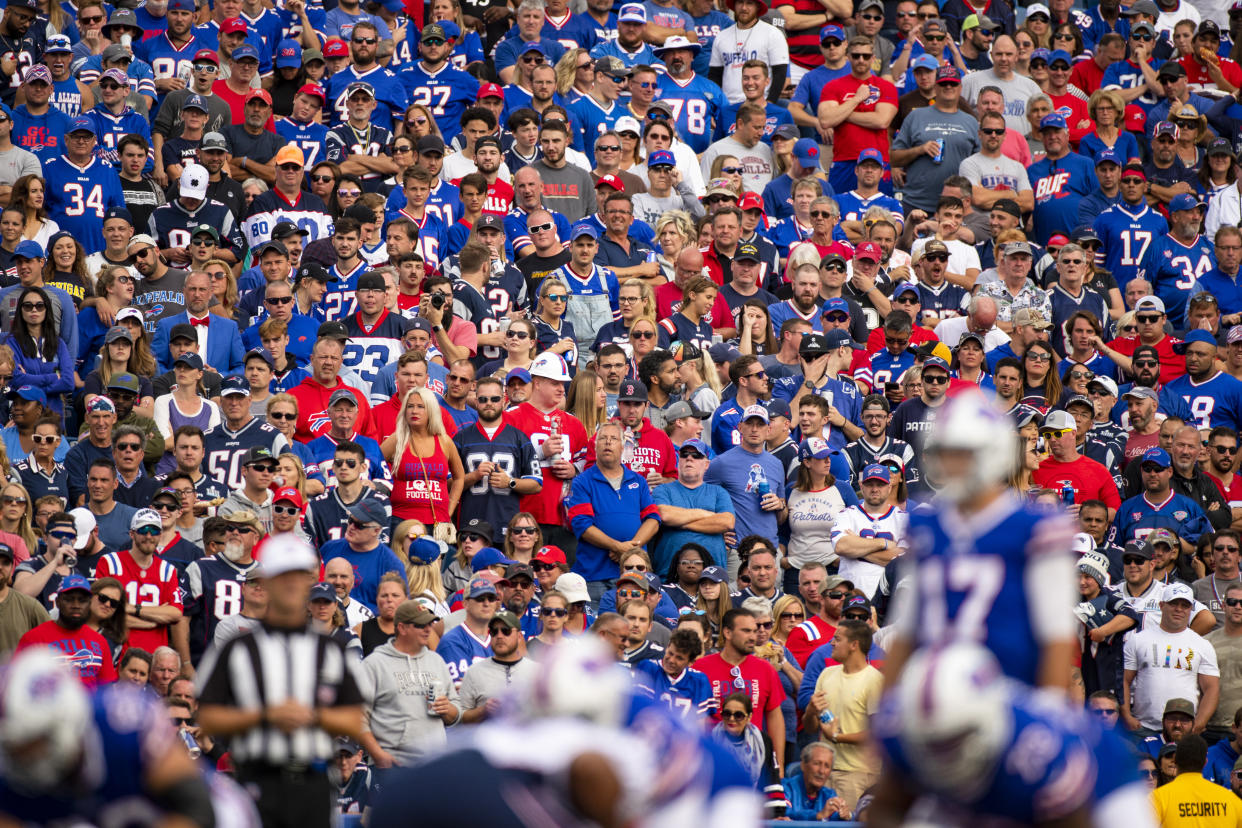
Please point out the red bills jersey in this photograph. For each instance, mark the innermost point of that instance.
(155, 586)
(546, 505)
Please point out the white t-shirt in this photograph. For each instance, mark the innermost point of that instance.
(950, 333)
(999, 173)
(1168, 667)
(855, 521)
(962, 256)
(734, 46)
(1147, 605)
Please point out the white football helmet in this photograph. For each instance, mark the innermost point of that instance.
(44, 713)
(970, 423)
(550, 366)
(579, 678)
(954, 716)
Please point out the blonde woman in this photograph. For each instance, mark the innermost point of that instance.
(282, 414)
(114, 289)
(587, 400)
(422, 557)
(575, 73)
(553, 332)
(673, 230)
(635, 300)
(223, 289)
(290, 473)
(1107, 109)
(427, 471)
(17, 516)
(1192, 136)
(522, 537)
(701, 382)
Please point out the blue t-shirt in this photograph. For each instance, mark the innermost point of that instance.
(675, 493)
(740, 473)
(368, 566)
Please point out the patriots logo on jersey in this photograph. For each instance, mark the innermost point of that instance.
(1168, 254)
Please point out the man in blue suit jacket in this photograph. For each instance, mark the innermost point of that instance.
(223, 348)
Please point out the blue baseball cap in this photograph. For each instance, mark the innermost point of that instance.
(29, 249)
(322, 592)
(807, 152)
(925, 61)
(195, 102)
(835, 305)
(368, 510)
(536, 47)
(1197, 335)
(697, 445)
(715, 574)
(1185, 201)
(288, 54)
(1053, 120)
(779, 408)
(488, 556)
(74, 581)
(450, 29)
(1041, 54)
(870, 154)
(661, 158)
(29, 393)
(814, 447)
(876, 471)
(517, 374)
(191, 359)
(1157, 455)
(235, 385)
(1062, 55)
(583, 228)
(245, 51)
(424, 549)
(478, 587)
(832, 30)
(837, 338)
(935, 362)
(1108, 156)
(82, 125)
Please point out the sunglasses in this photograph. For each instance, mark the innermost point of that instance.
(524, 530)
(631, 593)
(863, 56)
(992, 131)
(435, 41)
(555, 612)
(936, 257)
(792, 616)
(209, 68)
(33, 306)
(276, 415)
(608, 148)
(147, 531)
(1039, 357)
(642, 334)
(733, 170)
(241, 530)
(165, 506)
(872, 17)
(858, 616)
(495, 398)
(556, 297)
(129, 446)
(1152, 468)
(264, 468)
(1149, 319)
(1057, 434)
(357, 524)
(498, 632)
(288, 511)
(1145, 363)
(539, 228)
(1133, 560)
(1081, 375)
(733, 715)
(345, 462)
(764, 625)
(45, 439)
(322, 179)
(1141, 37)
(108, 602)
(371, 41)
(935, 379)
(820, 214)
(836, 596)
(1233, 602)
(518, 334)
(1225, 449)
(349, 193)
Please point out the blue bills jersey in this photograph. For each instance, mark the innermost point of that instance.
(689, 695)
(697, 105)
(391, 95)
(311, 138)
(78, 197)
(1174, 269)
(447, 92)
(1128, 234)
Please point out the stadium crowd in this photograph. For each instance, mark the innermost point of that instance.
(739, 337)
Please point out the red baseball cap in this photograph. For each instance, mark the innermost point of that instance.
(233, 25)
(1057, 240)
(335, 48)
(1135, 119)
(609, 180)
(261, 94)
(869, 250)
(314, 90)
(208, 55)
(291, 495)
(550, 555)
(490, 90)
(750, 201)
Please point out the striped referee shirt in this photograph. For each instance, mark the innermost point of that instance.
(269, 665)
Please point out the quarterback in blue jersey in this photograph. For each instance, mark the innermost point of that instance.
(81, 188)
(433, 82)
(1129, 229)
(1060, 180)
(696, 102)
(982, 557)
(975, 763)
(1213, 396)
(1177, 259)
(69, 757)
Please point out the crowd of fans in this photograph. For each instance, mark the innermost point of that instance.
(627, 321)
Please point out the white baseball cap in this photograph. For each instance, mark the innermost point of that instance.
(83, 523)
(194, 180)
(286, 553)
(573, 587)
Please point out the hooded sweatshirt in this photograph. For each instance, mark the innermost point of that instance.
(399, 715)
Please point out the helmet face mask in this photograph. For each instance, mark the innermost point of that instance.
(971, 449)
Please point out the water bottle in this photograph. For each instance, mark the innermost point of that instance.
(190, 744)
(629, 447)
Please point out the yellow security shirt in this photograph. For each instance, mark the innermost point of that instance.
(1190, 801)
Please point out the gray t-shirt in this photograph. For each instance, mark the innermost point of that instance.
(756, 161)
(568, 190)
(1229, 660)
(649, 208)
(16, 162)
(489, 679)
(999, 173)
(162, 298)
(1017, 91)
(924, 177)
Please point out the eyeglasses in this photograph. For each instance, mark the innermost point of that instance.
(992, 131)
(345, 462)
(540, 228)
(631, 593)
(435, 41)
(522, 584)
(33, 306)
(535, 59)
(129, 446)
(45, 439)
(276, 415)
(733, 715)
(288, 511)
(108, 602)
(501, 632)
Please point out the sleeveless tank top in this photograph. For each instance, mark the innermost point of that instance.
(178, 418)
(420, 487)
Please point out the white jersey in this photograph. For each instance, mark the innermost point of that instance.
(890, 525)
(1147, 605)
(1168, 667)
(734, 46)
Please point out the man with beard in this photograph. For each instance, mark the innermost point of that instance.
(360, 145)
(567, 188)
(19, 613)
(85, 651)
(486, 681)
(216, 581)
(453, 89)
(159, 603)
(499, 460)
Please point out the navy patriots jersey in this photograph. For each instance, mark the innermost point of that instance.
(171, 225)
(372, 142)
(484, 310)
(224, 449)
(327, 515)
(511, 451)
(215, 594)
(372, 347)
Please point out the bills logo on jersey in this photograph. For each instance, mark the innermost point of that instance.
(1052, 186)
(84, 661)
(319, 420)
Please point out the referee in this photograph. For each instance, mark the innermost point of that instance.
(282, 693)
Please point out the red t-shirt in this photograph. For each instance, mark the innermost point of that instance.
(1087, 76)
(546, 505)
(237, 106)
(1073, 109)
(155, 586)
(918, 335)
(1232, 494)
(1137, 444)
(1196, 72)
(850, 139)
(86, 652)
(755, 677)
(668, 302)
(1089, 479)
(1172, 365)
(806, 638)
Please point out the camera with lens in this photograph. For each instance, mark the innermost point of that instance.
(437, 300)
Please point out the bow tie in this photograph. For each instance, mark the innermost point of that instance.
(202, 322)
